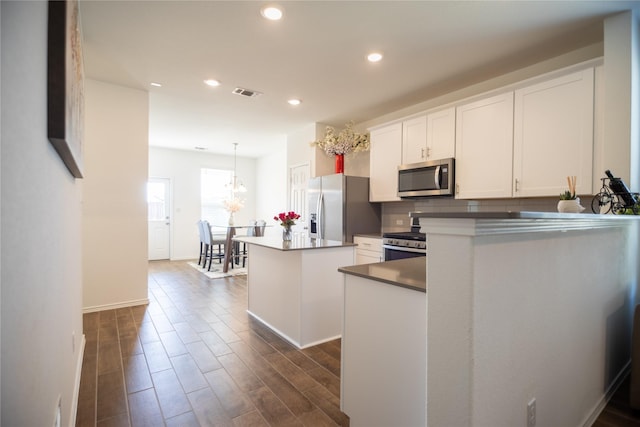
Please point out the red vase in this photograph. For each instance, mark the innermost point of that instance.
(339, 163)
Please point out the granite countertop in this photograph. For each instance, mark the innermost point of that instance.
(410, 273)
(516, 215)
(296, 244)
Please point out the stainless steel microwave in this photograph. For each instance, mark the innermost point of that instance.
(427, 179)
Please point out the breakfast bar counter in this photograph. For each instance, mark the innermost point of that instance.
(515, 301)
(294, 287)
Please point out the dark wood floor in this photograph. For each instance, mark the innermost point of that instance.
(193, 357)
(618, 413)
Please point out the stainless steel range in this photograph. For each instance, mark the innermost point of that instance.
(400, 245)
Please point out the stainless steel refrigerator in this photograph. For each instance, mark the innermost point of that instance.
(339, 207)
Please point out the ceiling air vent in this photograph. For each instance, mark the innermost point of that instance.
(246, 92)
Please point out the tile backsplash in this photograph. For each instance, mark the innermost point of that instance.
(395, 215)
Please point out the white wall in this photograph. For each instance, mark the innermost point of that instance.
(271, 189)
(115, 207)
(182, 167)
(41, 275)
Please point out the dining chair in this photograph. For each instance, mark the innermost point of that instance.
(203, 247)
(209, 242)
(242, 251)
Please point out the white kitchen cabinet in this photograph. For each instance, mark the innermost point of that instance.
(553, 135)
(484, 148)
(414, 140)
(441, 134)
(369, 249)
(385, 156)
(429, 137)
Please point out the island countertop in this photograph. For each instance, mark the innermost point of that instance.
(410, 273)
(296, 244)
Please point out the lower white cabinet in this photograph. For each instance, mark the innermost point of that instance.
(369, 250)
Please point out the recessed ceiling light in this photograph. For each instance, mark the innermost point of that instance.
(156, 84)
(294, 101)
(271, 12)
(212, 82)
(374, 57)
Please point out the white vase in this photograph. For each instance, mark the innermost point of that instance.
(231, 218)
(570, 206)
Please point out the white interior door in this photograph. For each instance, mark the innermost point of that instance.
(298, 181)
(159, 203)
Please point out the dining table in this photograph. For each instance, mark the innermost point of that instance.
(229, 255)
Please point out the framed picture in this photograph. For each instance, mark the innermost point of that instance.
(65, 84)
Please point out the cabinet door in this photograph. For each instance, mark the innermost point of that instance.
(553, 136)
(368, 250)
(385, 156)
(441, 134)
(414, 140)
(484, 148)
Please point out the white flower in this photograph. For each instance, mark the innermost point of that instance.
(345, 142)
(233, 205)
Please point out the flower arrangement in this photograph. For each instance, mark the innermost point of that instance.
(344, 142)
(233, 205)
(287, 219)
(571, 193)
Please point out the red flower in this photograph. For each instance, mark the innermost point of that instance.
(287, 219)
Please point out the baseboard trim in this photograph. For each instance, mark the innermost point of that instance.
(602, 403)
(143, 301)
(76, 383)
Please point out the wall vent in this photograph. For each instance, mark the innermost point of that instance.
(246, 92)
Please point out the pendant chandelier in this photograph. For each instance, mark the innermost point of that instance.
(235, 185)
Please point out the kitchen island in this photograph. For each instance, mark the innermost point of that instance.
(295, 288)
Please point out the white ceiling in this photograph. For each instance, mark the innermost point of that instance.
(315, 53)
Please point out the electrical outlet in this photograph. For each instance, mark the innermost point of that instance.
(399, 222)
(531, 413)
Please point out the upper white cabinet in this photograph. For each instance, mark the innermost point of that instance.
(484, 148)
(441, 134)
(553, 135)
(414, 140)
(429, 137)
(385, 156)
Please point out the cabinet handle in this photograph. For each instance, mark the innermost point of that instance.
(517, 185)
(457, 188)
(428, 152)
(422, 153)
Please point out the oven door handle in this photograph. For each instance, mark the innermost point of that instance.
(404, 249)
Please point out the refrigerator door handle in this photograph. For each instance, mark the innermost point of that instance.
(320, 210)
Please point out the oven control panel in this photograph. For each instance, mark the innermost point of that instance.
(404, 243)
